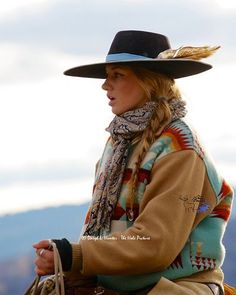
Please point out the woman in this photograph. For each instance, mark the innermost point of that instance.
(159, 207)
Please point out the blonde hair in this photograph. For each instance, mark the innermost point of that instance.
(161, 89)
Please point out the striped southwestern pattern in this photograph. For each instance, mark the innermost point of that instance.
(201, 251)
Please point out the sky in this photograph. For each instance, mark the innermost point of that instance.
(52, 127)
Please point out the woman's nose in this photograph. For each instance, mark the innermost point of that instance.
(106, 85)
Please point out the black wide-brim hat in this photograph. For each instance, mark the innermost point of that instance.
(144, 49)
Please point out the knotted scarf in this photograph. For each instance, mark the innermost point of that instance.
(123, 130)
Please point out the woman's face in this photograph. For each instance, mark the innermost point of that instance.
(123, 89)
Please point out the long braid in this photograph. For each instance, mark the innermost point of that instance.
(160, 89)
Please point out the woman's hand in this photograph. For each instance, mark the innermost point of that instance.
(44, 262)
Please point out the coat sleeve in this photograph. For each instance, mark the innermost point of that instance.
(163, 226)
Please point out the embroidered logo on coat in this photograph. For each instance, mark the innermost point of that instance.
(195, 204)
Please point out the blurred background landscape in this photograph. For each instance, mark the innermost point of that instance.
(20, 231)
(52, 127)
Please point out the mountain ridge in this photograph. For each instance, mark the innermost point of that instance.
(31, 226)
(20, 231)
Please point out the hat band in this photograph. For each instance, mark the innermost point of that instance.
(124, 56)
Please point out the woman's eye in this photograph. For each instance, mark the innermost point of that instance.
(118, 75)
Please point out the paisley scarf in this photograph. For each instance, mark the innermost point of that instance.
(123, 130)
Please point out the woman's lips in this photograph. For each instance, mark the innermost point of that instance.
(111, 102)
(111, 98)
